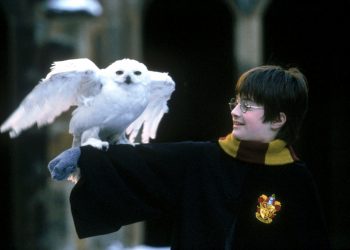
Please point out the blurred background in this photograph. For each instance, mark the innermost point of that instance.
(204, 45)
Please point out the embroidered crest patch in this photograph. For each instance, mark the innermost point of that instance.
(267, 208)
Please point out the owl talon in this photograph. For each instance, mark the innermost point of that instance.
(96, 143)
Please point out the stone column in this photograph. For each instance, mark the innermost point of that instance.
(120, 32)
(248, 30)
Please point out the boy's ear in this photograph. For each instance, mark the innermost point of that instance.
(279, 121)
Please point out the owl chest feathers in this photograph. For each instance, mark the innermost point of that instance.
(113, 109)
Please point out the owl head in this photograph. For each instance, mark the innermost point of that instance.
(128, 71)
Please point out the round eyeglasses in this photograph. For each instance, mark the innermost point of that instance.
(244, 105)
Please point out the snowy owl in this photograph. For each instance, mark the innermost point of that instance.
(113, 104)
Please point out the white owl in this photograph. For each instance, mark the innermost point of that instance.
(120, 100)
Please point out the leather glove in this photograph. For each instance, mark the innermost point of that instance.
(65, 164)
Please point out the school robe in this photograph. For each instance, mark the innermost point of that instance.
(212, 197)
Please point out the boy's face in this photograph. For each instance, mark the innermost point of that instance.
(249, 125)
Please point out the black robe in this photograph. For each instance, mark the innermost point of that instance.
(211, 197)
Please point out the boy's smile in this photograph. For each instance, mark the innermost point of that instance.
(236, 124)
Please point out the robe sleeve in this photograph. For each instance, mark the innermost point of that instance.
(127, 184)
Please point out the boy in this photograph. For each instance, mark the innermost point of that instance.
(247, 190)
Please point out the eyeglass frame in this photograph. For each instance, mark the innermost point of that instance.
(244, 107)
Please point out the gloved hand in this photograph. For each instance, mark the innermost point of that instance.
(65, 164)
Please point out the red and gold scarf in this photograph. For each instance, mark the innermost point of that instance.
(275, 152)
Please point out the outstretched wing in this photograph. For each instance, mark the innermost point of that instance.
(161, 87)
(69, 83)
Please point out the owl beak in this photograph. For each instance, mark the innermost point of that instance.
(128, 80)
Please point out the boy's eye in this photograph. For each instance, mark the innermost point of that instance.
(246, 106)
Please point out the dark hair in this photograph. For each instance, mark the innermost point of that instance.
(278, 90)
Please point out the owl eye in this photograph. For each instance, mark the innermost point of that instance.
(119, 72)
(137, 72)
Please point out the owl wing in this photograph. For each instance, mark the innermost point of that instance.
(69, 83)
(161, 87)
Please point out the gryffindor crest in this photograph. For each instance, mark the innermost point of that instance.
(267, 208)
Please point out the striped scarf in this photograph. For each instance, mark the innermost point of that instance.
(275, 152)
